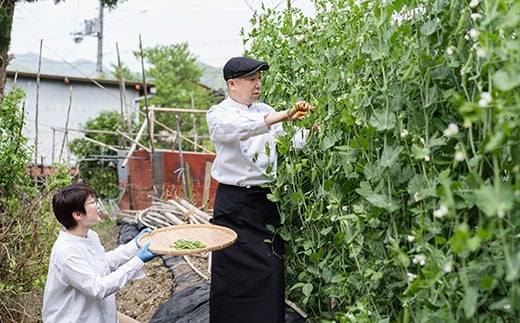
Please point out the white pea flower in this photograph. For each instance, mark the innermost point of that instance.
(411, 277)
(448, 267)
(404, 133)
(451, 131)
(475, 16)
(473, 3)
(450, 50)
(485, 99)
(473, 33)
(410, 238)
(441, 211)
(427, 158)
(507, 306)
(501, 214)
(419, 259)
(481, 52)
(460, 156)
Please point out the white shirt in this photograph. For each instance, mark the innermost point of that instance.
(245, 146)
(83, 279)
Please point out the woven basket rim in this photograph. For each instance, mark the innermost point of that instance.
(225, 235)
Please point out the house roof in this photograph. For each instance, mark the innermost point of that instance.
(67, 79)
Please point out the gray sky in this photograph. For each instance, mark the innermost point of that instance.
(210, 27)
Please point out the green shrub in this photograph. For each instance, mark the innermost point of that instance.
(405, 204)
(27, 226)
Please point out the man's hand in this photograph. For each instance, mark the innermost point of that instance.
(300, 110)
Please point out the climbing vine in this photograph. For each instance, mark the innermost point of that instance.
(404, 206)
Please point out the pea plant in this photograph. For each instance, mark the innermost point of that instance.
(404, 205)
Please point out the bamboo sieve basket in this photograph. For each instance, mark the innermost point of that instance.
(213, 237)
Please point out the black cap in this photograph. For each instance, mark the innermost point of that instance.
(243, 66)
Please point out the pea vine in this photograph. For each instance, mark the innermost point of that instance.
(404, 206)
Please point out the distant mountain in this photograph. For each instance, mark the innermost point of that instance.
(211, 77)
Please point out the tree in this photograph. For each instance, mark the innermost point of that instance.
(177, 79)
(6, 24)
(96, 164)
(127, 74)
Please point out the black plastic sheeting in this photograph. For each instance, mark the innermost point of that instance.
(189, 301)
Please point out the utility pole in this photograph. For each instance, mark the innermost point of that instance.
(99, 66)
(93, 27)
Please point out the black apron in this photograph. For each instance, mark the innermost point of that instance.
(247, 278)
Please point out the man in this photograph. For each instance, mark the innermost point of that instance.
(247, 279)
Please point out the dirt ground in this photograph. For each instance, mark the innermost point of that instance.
(140, 299)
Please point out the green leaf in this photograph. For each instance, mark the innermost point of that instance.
(338, 278)
(494, 201)
(458, 241)
(513, 267)
(507, 78)
(494, 142)
(382, 120)
(487, 282)
(307, 289)
(470, 301)
(390, 155)
(428, 28)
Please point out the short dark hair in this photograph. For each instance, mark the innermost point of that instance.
(68, 200)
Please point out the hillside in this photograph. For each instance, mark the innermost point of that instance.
(211, 77)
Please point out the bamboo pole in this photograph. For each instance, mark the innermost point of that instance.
(123, 99)
(36, 112)
(100, 144)
(66, 132)
(132, 140)
(134, 145)
(107, 132)
(147, 108)
(175, 132)
(207, 186)
(178, 110)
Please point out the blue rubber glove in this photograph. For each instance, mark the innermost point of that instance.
(145, 230)
(144, 254)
